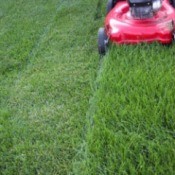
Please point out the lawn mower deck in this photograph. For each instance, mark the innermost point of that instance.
(122, 27)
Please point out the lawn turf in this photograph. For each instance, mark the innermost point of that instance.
(131, 119)
(48, 65)
(48, 62)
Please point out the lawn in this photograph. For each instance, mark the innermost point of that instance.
(48, 63)
(131, 121)
(64, 111)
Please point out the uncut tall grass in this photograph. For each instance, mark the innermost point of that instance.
(132, 126)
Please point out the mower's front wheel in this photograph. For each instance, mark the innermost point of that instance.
(110, 5)
(102, 41)
(172, 3)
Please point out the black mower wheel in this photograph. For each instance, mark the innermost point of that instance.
(110, 5)
(172, 3)
(102, 41)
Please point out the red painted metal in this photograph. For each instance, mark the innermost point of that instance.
(122, 28)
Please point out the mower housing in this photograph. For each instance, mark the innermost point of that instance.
(122, 28)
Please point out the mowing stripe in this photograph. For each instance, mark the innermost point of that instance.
(47, 99)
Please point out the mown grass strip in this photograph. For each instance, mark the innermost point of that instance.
(48, 61)
(133, 128)
(21, 29)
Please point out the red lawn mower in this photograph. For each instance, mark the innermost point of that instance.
(136, 21)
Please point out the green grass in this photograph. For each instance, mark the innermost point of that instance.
(132, 126)
(64, 112)
(47, 63)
